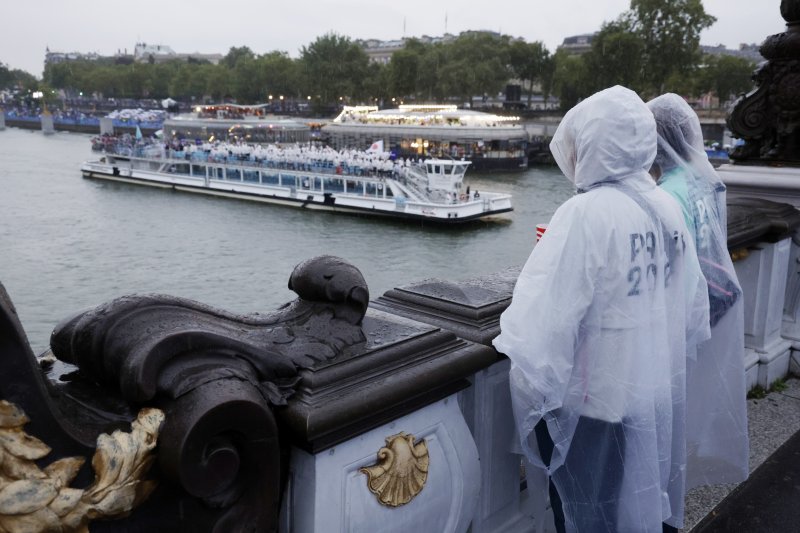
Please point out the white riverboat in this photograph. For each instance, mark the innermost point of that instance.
(489, 141)
(430, 190)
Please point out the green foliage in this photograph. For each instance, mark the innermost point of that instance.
(476, 64)
(10, 78)
(571, 79)
(403, 69)
(616, 58)
(334, 67)
(670, 32)
(758, 392)
(235, 54)
(428, 73)
(378, 83)
(725, 76)
(779, 385)
(531, 62)
(650, 48)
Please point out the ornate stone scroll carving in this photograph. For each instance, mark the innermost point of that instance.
(768, 117)
(150, 345)
(40, 500)
(217, 376)
(401, 470)
(221, 460)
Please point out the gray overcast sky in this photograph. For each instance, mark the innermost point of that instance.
(210, 26)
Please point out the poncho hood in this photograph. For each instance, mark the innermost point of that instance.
(607, 137)
(680, 136)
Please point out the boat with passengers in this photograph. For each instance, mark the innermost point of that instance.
(346, 181)
(489, 141)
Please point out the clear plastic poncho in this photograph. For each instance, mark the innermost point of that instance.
(598, 326)
(716, 418)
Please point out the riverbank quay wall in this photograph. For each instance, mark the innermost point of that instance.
(35, 123)
(336, 412)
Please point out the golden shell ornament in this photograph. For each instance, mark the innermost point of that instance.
(401, 471)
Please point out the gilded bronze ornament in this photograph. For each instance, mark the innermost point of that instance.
(34, 500)
(401, 471)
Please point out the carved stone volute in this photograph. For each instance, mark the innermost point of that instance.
(217, 376)
(152, 345)
(769, 116)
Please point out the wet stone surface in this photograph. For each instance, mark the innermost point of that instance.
(772, 421)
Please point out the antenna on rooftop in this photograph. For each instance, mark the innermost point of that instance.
(445, 22)
(404, 26)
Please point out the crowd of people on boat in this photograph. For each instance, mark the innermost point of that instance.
(307, 157)
(415, 120)
(297, 157)
(138, 115)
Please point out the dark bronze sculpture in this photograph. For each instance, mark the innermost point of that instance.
(768, 118)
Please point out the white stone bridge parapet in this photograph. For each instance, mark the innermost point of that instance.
(334, 412)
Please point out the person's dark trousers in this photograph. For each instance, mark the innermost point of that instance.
(545, 444)
(594, 468)
(611, 453)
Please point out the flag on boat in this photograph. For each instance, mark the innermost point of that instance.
(138, 133)
(377, 146)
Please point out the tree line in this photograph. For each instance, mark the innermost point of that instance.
(16, 78)
(652, 48)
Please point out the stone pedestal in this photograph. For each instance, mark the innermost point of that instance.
(763, 275)
(791, 306)
(106, 126)
(327, 491)
(471, 309)
(500, 508)
(48, 126)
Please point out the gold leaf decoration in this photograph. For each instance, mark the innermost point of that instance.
(34, 500)
(401, 471)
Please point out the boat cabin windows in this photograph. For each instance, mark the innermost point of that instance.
(434, 169)
(178, 169)
(459, 170)
(447, 169)
(334, 185)
(271, 178)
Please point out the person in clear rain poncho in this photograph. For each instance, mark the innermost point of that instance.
(716, 418)
(598, 328)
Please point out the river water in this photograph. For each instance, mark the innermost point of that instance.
(68, 243)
